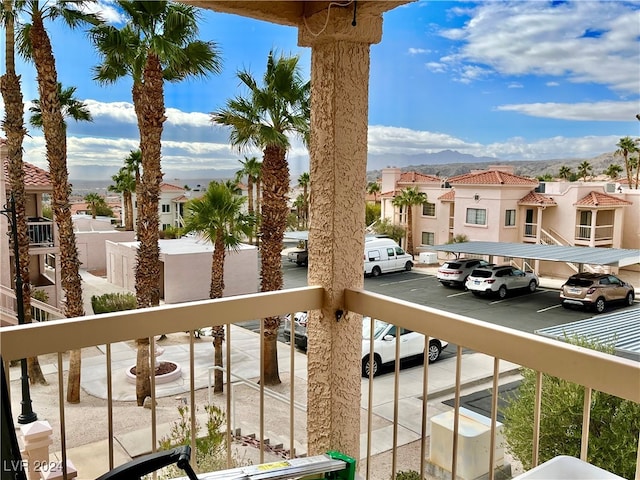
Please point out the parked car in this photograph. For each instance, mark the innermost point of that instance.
(300, 330)
(500, 279)
(595, 290)
(455, 272)
(384, 345)
(382, 255)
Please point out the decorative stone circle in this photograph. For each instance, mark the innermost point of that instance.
(166, 372)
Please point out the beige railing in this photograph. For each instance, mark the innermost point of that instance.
(594, 370)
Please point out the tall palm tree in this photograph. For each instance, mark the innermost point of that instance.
(218, 216)
(94, 201)
(565, 172)
(71, 107)
(374, 189)
(125, 184)
(264, 118)
(13, 125)
(35, 45)
(634, 162)
(158, 43)
(613, 170)
(251, 169)
(408, 198)
(626, 145)
(303, 181)
(584, 169)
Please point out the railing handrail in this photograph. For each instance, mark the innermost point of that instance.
(45, 307)
(597, 368)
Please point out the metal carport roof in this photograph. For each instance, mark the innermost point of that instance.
(617, 257)
(619, 329)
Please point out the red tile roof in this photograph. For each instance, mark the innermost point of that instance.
(415, 177)
(33, 176)
(167, 187)
(450, 196)
(491, 177)
(599, 199)
(535, 198)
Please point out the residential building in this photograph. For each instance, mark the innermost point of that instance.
(498, 206)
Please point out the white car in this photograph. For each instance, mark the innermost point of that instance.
(384, 345)
(500, 279)
(455, 272)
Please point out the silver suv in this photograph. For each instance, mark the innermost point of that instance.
(455, 272)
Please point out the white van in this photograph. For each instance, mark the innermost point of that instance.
(383, 255)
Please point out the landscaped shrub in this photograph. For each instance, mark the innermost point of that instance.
(613, 429)
(408, 475)
(113, 302)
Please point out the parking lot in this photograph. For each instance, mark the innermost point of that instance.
(520, 310)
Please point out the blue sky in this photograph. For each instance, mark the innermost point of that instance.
(520, 80)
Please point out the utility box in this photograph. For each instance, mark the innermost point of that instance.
(428, 257)
(474, 442)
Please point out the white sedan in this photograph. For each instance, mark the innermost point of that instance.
(500, 280)
(384, 345)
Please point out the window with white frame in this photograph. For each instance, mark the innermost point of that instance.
(166, 208)
(509, 218)
(166, 226)
(428, 238)
(429, 209)
(476, 216)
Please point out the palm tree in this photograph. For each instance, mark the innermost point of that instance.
(218, 216)
(613, 170)
(158, 43)
(565, 172)
(35, 45)
(71, 107)
(626, 146)
(374, 188)
(251, 169)
(584, 169)
(303, 181)
(408, 198)
(94, 201)
(264, 119)
(13, 125)
(125, 184)
(634, 162)
(300, 205)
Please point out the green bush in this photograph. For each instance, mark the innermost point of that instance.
(113, 302)
(210, 446)
(408, 475)
(613, 429)
(372, 213)
(385, 227)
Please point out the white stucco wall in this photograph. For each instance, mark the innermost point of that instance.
(186, 269)
(92, 247)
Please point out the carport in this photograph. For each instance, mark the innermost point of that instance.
(621, 330)
(615, 257)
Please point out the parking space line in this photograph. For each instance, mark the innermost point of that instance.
(400, 281)
(548, 308)
(458, 294)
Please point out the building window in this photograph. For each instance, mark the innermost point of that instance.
(428, 238)
(476, 216)
(166, 226)
(429, 209)
(510, 218)
(166, 208)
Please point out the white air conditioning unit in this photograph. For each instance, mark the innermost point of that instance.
(428, 257)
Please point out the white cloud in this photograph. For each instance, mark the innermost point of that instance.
(598, 111)
(588, 42)
(418, 51)
(552, 84)
(515, 85)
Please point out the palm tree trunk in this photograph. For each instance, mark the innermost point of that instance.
(216, 291)
(128, 207)
(149, 106)
(409, 229)
(56, 145)
(250, 200)
(15, 131)
(258, 209)
(275, 181)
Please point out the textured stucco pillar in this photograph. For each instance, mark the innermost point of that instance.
(338, 150)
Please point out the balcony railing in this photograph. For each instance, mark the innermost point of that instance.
(600, 232)
(40, 232)
(593, 370)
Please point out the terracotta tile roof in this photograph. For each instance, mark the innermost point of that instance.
(415, 177)
(491, 177)
(33, 176)
(599, 199)
(167, 187)
(180, 199)
(450, 196)
(535, 198)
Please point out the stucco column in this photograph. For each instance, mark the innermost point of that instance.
(338, 151)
